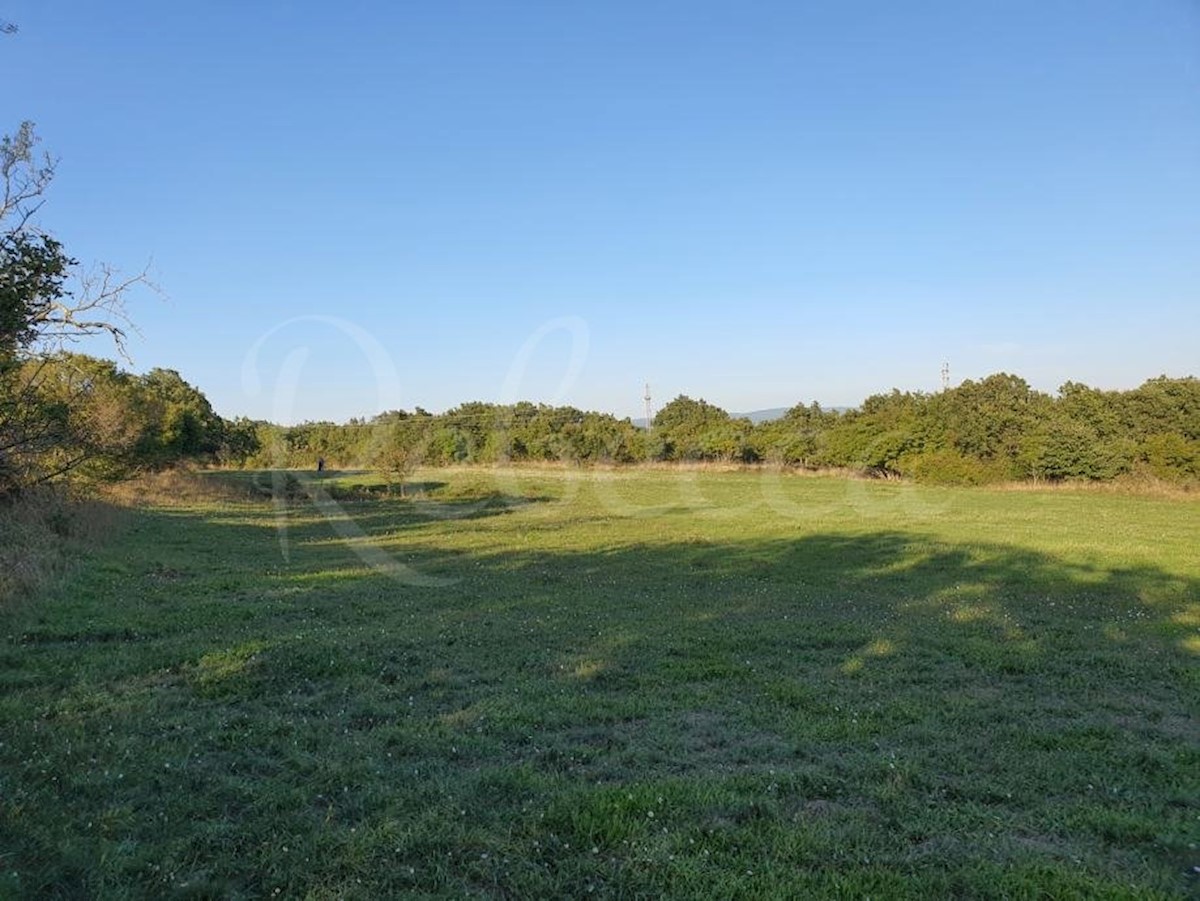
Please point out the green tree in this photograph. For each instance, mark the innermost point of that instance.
(1170, 456)
(1164, 405)
(876, 437)
(33, 269)
(796, 438)
(85, 419)
(38, 312)
(1062, 446)
(988, 419)
(688, 429)
(240, 441)
(185, 424)
(400, 447)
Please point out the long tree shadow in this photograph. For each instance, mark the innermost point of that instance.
(935, 706)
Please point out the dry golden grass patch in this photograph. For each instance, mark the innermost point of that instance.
(43, 534)
(178, 486)
(46, 532)
(1141, 484)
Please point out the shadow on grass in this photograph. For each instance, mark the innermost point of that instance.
(418, 489)
(858, 606)
(890, 586)
(832, 703)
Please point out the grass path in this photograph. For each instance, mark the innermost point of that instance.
(643, 684)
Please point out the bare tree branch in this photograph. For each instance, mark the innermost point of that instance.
(97, 308)
(24, 177)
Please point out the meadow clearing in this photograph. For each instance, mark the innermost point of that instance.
(625, 684)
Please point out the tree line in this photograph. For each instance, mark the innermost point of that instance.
(74, 419)
(992, 430)
(67, 418)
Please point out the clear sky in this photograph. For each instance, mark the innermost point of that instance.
(757, 203)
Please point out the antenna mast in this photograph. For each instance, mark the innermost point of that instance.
(945, 376)
(647, 400)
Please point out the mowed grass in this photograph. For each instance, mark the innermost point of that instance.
(561, 684)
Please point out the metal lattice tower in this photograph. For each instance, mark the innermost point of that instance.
(647, 400)
(945, 376)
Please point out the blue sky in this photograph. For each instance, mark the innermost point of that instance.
(360, 206)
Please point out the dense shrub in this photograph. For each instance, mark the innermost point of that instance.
(983, 432)
(950, 466)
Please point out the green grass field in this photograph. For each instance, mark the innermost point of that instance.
(557, 684)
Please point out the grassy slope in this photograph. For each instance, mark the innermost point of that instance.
(701, 685)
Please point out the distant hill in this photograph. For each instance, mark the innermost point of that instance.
(755, 416)
(758, 416)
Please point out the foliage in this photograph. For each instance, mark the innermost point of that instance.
(83, 419)
(1066, 447)
(239, 441)
(33, 269)
(59, 415)
(186, 426)
(999, 429)
(949, 466)
(796, 439)
(691, 430)
(1170, 456)
(875, 437)
(995, 430)
(401, 440)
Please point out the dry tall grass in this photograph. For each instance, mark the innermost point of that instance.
(178, 486)
(1135, 483)
(43, 534)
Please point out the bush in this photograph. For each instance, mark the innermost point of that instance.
(1171, 457)
(950, 466)
(1069, 449)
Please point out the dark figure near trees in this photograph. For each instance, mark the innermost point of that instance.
(320, 464)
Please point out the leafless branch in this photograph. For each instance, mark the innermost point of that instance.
(97, 308)
(23, 175)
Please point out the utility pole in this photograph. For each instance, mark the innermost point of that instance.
(945, 376)
(647, 400)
